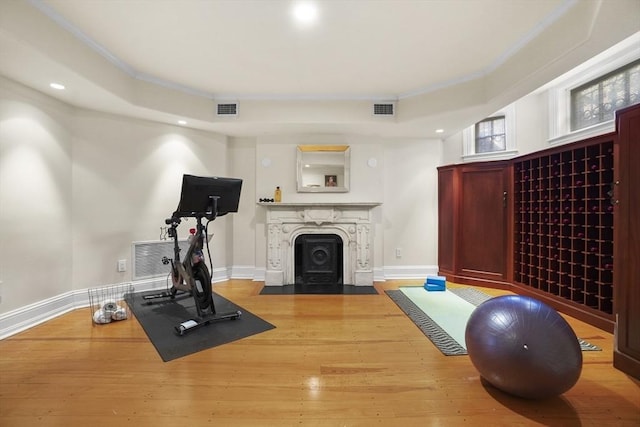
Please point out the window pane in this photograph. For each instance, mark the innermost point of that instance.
(491, 135)
(484, 129)
(498, 126)
(597, 101)
(484, 145)
(498, 142)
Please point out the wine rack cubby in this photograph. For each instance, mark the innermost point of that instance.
(563, 225)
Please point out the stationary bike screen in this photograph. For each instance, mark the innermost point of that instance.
(201, 195)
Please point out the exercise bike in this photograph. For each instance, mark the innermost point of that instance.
(191, 274)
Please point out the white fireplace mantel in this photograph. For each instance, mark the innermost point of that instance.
(274, 205)
(352, 221)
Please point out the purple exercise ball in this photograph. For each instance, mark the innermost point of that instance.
(523, 347)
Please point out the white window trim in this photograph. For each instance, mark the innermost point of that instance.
(469, 139)
(559, 92)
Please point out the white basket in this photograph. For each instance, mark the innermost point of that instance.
(107, 303)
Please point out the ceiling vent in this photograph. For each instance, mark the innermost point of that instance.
(384, 109)
(229, 109)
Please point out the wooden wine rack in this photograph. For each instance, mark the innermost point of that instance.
(563, 225)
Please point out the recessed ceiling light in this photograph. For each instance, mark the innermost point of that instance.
(182, 122)
(56, 86)
(305, 12)
(439, 130)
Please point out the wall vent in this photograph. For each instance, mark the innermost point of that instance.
(147, 257)
(229, 109)
(384, 109)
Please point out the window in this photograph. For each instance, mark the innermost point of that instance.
(493, 138)
(564, 124)
(491, 135)
(596, 101)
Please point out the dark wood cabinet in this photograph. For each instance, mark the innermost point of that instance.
(447, 213)
(626, 251)
(561, 225)
(473, 226)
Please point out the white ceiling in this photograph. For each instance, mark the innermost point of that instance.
(445, 63)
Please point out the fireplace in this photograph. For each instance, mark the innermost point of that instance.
(351, 228)
(318, 259)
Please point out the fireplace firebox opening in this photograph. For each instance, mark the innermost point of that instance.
(318, 259)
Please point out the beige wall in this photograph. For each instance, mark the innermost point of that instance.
(126, 180)
(401, 182)
(78, 187)
(35, 197)
(242, 153)
(410, 208)
(532, 129)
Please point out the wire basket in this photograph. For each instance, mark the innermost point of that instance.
(108, 303)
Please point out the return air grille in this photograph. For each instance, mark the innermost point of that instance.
(383, 109)
(227, 109)
(147, 257)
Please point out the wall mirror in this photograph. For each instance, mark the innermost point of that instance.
(323, 168)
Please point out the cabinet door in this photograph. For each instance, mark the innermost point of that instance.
(626, 268)
(446, 220)
(482, 243)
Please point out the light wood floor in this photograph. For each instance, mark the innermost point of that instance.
(331, 361)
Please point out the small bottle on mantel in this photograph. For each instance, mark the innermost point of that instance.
(278, 195)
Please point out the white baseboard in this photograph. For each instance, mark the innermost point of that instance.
(409, 272)
(244, 272)
(379, 274)
(26, 317)
(259, 274)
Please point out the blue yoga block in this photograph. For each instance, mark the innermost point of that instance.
(431, 288)
(436, 280)
(435, 283)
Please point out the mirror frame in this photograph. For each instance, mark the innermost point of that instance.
(345, 149)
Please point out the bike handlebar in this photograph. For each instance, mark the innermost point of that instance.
(173, 220)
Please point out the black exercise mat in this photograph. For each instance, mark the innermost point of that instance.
(319, 290)
(161, 317)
